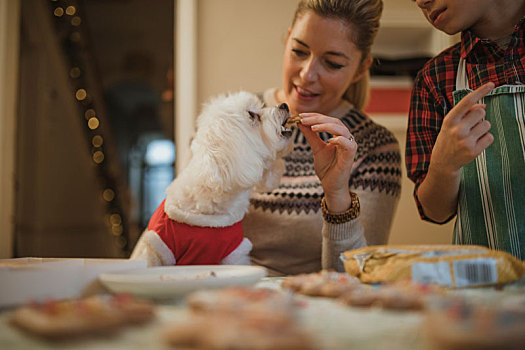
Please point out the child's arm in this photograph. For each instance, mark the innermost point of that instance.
(464, 135)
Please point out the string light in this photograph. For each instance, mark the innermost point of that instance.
(90, 113)
(74, 72)
(93, 123)
(59, 12)
(116, 230)
(115, 219)
(76, 21)
(71, 31)
(70, 10)
(98, 157)
(97, 141)
(81, 94)
(108, 195)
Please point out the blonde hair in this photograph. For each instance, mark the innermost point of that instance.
(362, 18)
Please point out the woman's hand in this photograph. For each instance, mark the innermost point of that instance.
(333, 161)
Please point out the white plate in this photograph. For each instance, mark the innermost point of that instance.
(175, 281)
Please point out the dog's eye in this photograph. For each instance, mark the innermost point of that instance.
(254, 116)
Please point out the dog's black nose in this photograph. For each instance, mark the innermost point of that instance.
(284, 106)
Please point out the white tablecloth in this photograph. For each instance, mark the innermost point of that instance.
(332, 325)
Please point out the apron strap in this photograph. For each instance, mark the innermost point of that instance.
(461, 76)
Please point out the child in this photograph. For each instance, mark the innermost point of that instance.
(468, 158)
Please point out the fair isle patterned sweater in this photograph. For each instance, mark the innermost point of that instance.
(286, 227)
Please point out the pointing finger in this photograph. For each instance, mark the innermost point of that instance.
(470, 100)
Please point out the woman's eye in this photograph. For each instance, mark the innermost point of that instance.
(299, 53)
(334, 65)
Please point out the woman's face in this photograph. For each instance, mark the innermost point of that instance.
(320, 62)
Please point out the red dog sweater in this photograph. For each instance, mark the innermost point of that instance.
(195, 245)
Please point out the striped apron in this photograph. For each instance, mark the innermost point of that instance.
(491, 205)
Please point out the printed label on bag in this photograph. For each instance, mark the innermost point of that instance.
(473, 272)
(442, 253)
(438, 273)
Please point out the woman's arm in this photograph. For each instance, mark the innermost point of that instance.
(333, 161)
(338, 238)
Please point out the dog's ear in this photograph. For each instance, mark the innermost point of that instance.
(255, 117)
(236, 169)
(230, 162)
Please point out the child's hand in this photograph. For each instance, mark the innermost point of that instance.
(464, 133)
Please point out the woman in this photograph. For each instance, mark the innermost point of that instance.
(325, 78)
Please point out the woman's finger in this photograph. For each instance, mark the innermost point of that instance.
(316, 118)
(312, 138)
(322, 123)
(334, 129)
(346, 145)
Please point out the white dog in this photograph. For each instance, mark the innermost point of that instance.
(238, 145)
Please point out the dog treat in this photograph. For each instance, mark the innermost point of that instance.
(398, 299)
(82, 317)
(238, 331)
(361, 297)
(293, 120)
(461, 324)
(452, 266)
(324, 283)
(241, 299)
(391, 297)
(239, 318)
(403, 295)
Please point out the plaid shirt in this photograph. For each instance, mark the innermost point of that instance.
(432, 93)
